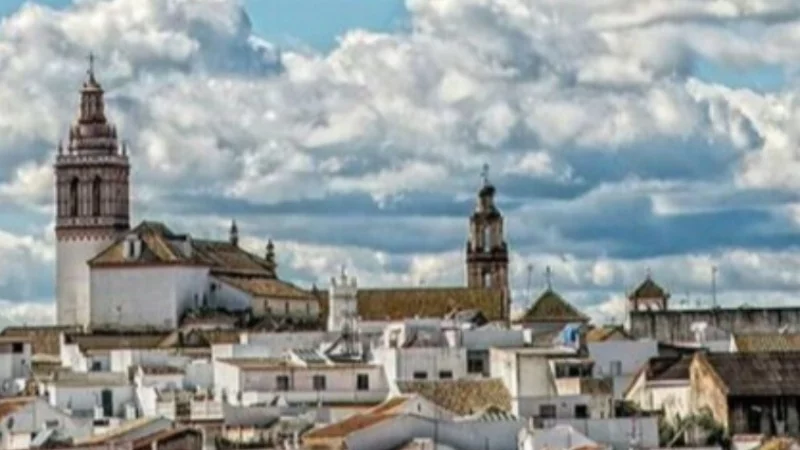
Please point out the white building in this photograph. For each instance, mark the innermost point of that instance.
(306, 377)
(15, 363)
(662, 384)
(100, 395)
(23, 419)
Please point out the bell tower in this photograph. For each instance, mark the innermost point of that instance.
(487, 252)
(92, 207)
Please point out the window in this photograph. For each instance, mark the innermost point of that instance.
(487, 239)
(420, 375)
(97, 196)
(616, 368)
(319, 382)
(97, 366)
(362, 382)
(308, 308)
(51, 423)
(282, 382)
(16, 347)
(73, 197)
(581, 412)
(487, 279)
(475, 362)
(286, 308)
(446, 375)
(547, 411)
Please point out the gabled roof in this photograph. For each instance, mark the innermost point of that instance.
(266, 287)
(461, 396)
(649, 289)
(755, 374)
(45, 340)
(427, 302)
(551, 307)
(608, 333)
(159, 245)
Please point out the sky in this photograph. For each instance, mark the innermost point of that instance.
(659, 135)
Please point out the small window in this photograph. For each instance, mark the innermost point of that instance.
(286, 308)
(446, 375)
(362, 382)
(282, 382)
(616, 368)
(97, 366)
(319, 382)
(420, 375)
(581, 412)
(16, 347)
(547, 411)
(474, 363)
(51, 424)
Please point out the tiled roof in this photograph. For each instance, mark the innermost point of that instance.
(767, 342)
(551, 307)
(597, 386)
(344, 428)
(88, 342)
(86, 379)
(280, 363)
(669, 368)
(649, 289)
(118, 432)
(161, 246)
(463, 396)
(756, 374)
(406, 303)
(146, 442)
(44, 339)
(267, 287)
(12, 405)
(607, 333)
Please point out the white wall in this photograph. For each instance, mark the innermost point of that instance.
(405, 362)
(38, 415)
(199, 374)
(138, 291)
(73, 305)
(227, 296)
(615, 432)
(85, 398)
(630, 354)
(281, 342)
(14, 365)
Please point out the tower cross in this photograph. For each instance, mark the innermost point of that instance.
(90, 72)
(548, 275)
(485, 174)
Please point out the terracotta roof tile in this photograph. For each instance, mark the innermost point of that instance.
(106, 341)
(12, 405)
(44, 339)
(669, 368)
(767, 342)
(756, 374)
(609, 333)
(347, 426)
(649, 289)
(463, 396)
(160, 245)
(597, 386)
(406, 303)
(146, 442)
(551, 307)
(267, 287)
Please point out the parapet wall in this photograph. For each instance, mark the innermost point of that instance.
(675, 325)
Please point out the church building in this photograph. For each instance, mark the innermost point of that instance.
(109, 275)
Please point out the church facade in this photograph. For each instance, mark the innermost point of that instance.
(109, 274)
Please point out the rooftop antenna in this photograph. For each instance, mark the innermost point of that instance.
(530, 280)
(714, 270)
(90, 71)
(548, 274)
(485, 174)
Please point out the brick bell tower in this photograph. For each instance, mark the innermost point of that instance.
(92, 207)
(487, 251)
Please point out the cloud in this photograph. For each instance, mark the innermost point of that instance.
(603, 142)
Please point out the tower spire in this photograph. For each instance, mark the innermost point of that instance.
(234, 233)
(485, 174)
(548, 275)
(90, 71)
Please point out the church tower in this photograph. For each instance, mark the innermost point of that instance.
(92, 207)
(487, 252)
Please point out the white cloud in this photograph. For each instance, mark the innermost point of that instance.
(597, 98)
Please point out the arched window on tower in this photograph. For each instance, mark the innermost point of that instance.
(487, 238)
(73, 197)
(96, 196)
(487, 279)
